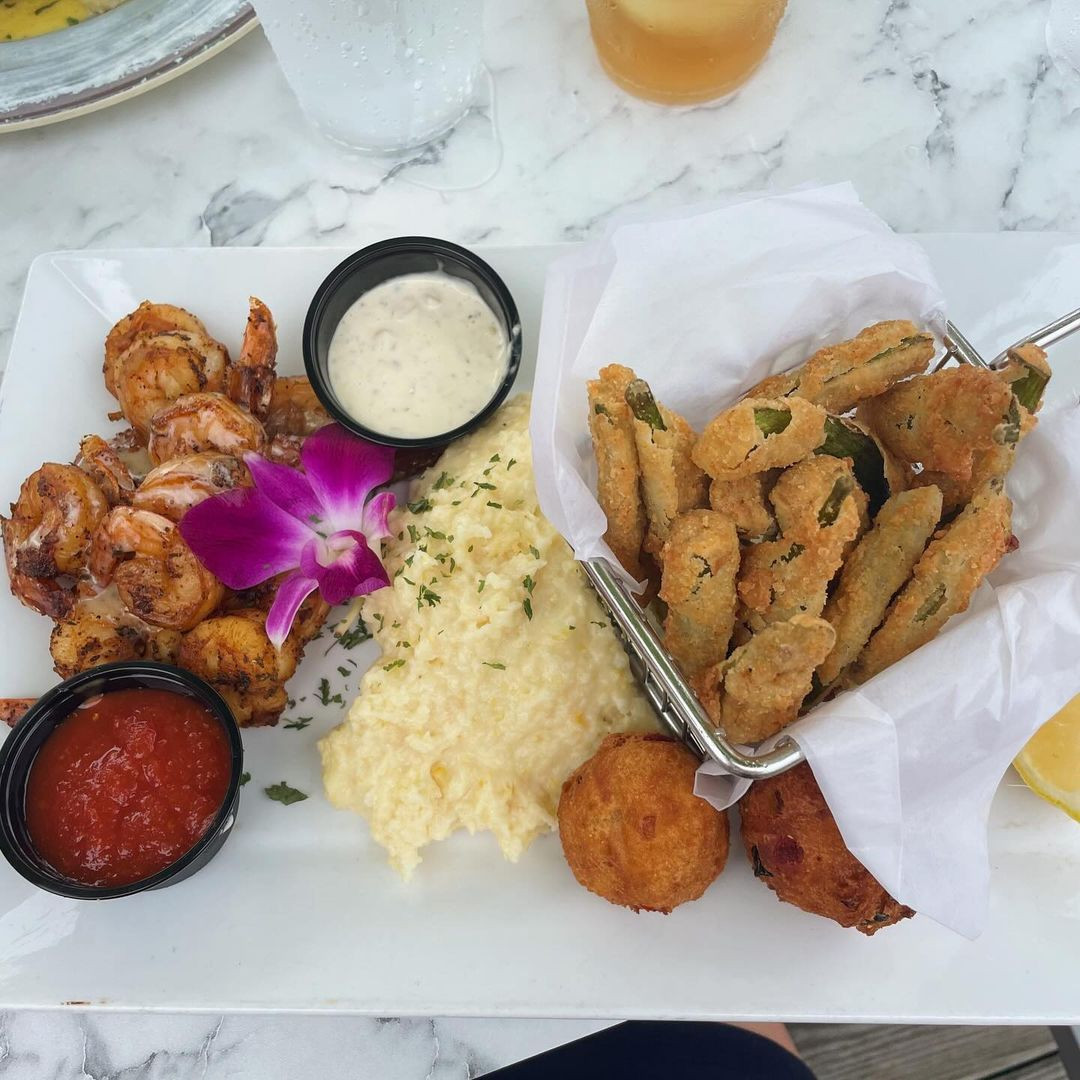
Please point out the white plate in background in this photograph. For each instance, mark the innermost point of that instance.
(300, 911)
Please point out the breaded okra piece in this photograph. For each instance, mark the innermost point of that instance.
(839, 376)
(1027, 372)
(877, 568)
(943, 582)
(618, 489)
(746, 502)
(818, 517)
(670, 481)
(759, 434)
(759, 689)
(944, 419)
(700, 563)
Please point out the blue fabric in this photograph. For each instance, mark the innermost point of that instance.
(664, 1050)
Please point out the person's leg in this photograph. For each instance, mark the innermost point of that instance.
(651, 1050)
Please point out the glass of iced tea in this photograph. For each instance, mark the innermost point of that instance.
(681, 51)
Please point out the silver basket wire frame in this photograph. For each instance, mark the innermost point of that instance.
(669, 693)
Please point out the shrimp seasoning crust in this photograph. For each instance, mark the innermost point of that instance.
(500, 674)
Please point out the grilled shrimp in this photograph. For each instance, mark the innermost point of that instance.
(147, 318)
(156, 369)
(294, 408)
(175, 487)
(199, 422)
(104, 466)
(48, 536)
(234, 655)
(98, 630)
(157, 575)
(250, 380)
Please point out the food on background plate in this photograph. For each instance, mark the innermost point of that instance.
(426, 332)
(12, 710)
(499, 671)
(1050, 761)
(838, 570)
(98, 546)
(632, 829)
(796, 849)
(126, 784)
(21, 19)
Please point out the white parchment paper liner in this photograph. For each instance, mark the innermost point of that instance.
(705, 302)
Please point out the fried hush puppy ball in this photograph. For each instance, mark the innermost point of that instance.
(632, 829)
(795, 847)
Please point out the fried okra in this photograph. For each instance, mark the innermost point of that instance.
(618, 479)
(1027, 372)
(880, 564)
(818, 516)
(700, 564)
(942, 583)
(670, 481)
(760, 688)
(746, 503)
(795, 848)
(945, 419)
(839, 376)
(757, 434)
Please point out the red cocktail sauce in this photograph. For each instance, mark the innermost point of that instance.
(125, 785)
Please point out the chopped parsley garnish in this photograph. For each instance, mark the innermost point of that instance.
(325, 697)
(283, 793)
(414, 533)
(480, 587)
(356, 634)
(344, 671)
(299, 723)
(528, 582)
(510, 464)
(602, 625)
(495, 664)
(244, 778)
(527, 605)
(434, 535)
(420, 506)
(445, 480)
(393, 664)
(535, 554)
(495, 505)
(426, 596)
(481, 485)
(494, 457)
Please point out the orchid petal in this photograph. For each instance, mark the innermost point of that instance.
(291, 593)
(243, 538)
(286, 488)
(343, 469)
(373, 523)
(352, 570)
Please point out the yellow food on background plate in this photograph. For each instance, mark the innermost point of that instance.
(499, 674)
(1050, 762)
(30, 18)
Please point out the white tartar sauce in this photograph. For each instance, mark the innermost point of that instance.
(418, 355)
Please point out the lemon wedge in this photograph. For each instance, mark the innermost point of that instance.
(1050, 762)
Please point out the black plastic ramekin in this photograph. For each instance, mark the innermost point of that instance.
(373, 265)
(21, 746)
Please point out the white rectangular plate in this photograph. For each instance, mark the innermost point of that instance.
(301, 912)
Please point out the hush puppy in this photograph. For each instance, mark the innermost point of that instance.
(795, 847)
(632, 829)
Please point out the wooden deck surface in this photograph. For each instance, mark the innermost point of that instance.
(882, 1052)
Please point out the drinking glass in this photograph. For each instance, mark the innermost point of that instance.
(682, 51)
(379, 76)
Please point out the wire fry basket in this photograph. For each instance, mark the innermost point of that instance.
(669, 693)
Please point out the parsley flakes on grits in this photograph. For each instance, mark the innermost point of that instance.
(499, 673)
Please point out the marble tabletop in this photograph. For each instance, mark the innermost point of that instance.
(946, 117)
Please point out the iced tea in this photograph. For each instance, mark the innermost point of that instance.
(681, 51)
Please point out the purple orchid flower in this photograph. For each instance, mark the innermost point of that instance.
(318, 524)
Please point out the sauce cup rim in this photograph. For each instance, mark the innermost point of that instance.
(314, 362)
(20, 748)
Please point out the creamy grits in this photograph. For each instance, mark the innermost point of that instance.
(499, 673)
(418, 355)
